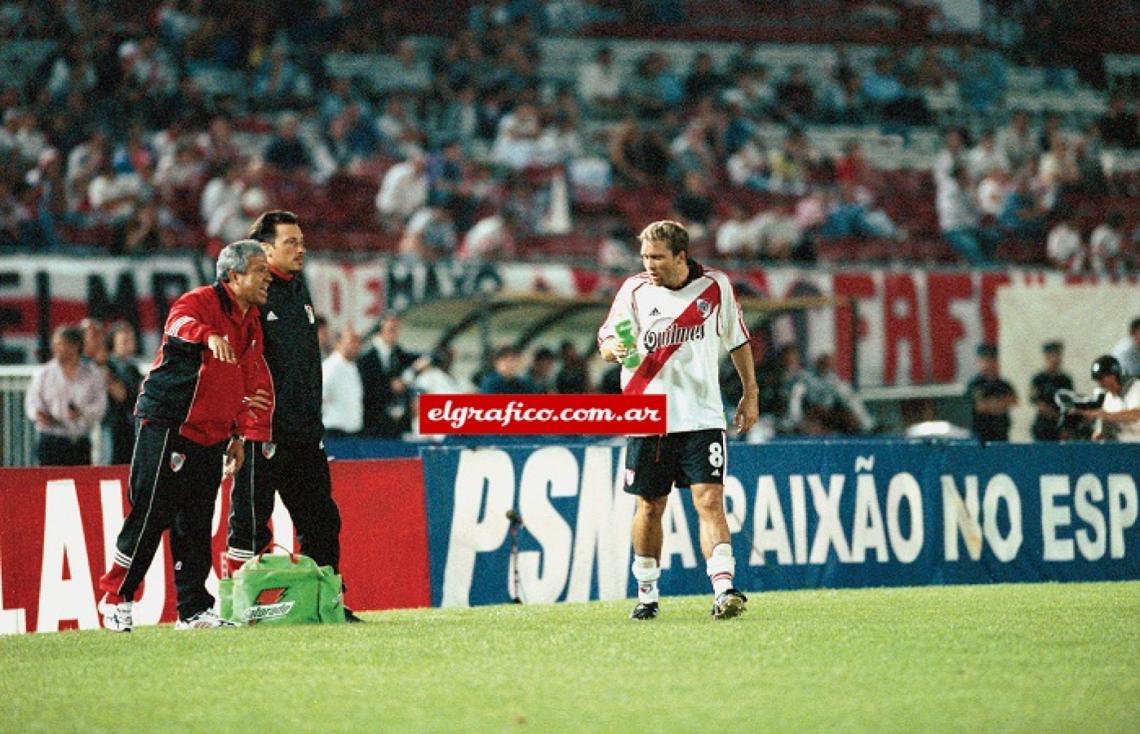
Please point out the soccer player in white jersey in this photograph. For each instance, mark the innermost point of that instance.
(682, 314)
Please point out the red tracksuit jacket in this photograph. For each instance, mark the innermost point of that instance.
(189, 389)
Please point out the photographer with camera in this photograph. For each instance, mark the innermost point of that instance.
(1118, 418)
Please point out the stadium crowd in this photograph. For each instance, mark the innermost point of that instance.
(138, 133)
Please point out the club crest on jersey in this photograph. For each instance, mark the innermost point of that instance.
(176, 461)
(629, 475)
(703, 307)
(268, 449)
(309, 313)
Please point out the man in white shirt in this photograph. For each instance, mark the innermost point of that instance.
(66, 400)
(1118, 418)
(342, 391)
(599, 83)
(403, 191)
(683, 314)
(1127, 350)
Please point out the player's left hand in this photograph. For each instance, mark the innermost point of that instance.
(235, 457)
(747, 412)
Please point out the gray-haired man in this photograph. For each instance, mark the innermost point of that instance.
(207, 381)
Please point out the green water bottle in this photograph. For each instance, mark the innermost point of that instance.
(624, 329)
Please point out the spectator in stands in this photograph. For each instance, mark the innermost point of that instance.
(992, 191)
(599, 83)
(286, 152)
(1021, 215)
(736, 235)
(778, 233)
(1016, 141)
(991, 398)
(1120, 126)
(1043, 388)
(403, 191)
(278, 78)
(123, 381)
(692, 152)
(143, 233)
(1106, 254)
(882, 88)
(342, 391)
(854, 217)
(1063, 245)
(986, 156)
(115, 192)
(748, 167)
(1050, 129)
(959, 219)
(638, 157)
(66, 400)
(952, 155)
(650, 92)
(492, 238)
(573, 376)
(795, 97)
(504, 377)
(752, 90)
(541, 374)
(693, 206)
(1087, 161)
(1058, 170)
(16, 218)
(400, 133)
(233, 218)
(703, 80)
(516, 143)
(1127, 350)
(225, 187)
(560, 142)
(852, 168)
(459, 119)
(790, 163)
(383, 372)
(429, 235)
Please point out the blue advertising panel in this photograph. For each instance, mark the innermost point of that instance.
(802, 515)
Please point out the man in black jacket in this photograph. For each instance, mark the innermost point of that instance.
(387, 401)
(286, 454)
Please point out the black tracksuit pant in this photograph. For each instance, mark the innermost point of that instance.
(174, 484)
(300, 474)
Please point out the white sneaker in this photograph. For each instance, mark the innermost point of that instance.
(116, 617)
(205, 619)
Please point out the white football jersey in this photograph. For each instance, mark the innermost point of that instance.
(679, 336)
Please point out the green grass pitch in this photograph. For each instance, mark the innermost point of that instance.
(1024, 657)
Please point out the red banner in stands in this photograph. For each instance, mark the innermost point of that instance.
(58, 528)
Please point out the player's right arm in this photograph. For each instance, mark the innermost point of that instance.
(185, 323)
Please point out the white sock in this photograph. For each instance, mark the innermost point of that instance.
(646, 571)
(721, 568)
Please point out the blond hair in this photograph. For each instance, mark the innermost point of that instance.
(673, 234)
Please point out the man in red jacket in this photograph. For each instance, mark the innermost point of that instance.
(206, 384)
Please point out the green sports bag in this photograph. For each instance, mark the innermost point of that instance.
(286, 589)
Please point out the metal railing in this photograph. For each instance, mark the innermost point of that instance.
(17, 433)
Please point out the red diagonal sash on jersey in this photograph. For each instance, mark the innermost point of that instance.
(653, 363)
